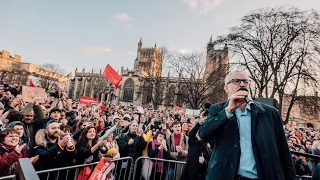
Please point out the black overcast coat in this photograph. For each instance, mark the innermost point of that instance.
(270, 149)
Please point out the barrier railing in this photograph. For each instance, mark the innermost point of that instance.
(80, 172)
(146, 168)
(24, 171)
(11, 177)
(311, 156)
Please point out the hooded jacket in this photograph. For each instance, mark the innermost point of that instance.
(51, 155)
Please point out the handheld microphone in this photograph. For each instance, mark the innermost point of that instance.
(247, 99)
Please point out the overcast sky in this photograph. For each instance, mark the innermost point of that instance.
(92, 34)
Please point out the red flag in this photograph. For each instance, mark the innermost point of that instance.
(31, 84)
(112, 76)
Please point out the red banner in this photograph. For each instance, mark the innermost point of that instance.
(103, 170)
(88, 101)
(112, 76)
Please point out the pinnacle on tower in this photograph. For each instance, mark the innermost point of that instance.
(225, 47)
(210, 42)
(140, 42)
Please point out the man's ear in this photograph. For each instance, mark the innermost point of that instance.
(226, 89)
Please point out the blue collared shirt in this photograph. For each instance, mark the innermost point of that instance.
(247, 165)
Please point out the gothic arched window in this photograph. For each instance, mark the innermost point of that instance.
(128, 90)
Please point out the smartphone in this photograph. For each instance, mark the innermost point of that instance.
(164, 142)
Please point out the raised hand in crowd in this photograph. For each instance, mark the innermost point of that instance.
(19, 148)
(64, 141)
(131, 141)
(140, 132)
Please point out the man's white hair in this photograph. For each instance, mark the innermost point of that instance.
(229, 75)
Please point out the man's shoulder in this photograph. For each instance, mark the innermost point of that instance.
(265, 107)
(218, 106)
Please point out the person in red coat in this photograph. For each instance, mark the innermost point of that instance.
(10, 151)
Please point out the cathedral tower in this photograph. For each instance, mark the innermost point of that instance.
(217, 67)
(148, 61)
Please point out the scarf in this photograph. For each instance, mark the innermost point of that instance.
(177, 138)
(158, 164)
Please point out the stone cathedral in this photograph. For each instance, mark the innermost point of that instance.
(137, 85)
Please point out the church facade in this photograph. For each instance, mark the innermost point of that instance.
(145, 83)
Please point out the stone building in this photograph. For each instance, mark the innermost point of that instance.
(14, 71)
(145, 83)
(304, 113)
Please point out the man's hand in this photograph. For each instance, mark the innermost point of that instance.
(236, 100)
(64, 141)
(201, 159)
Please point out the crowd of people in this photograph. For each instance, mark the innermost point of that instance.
(60, 133)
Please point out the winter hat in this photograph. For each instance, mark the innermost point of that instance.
(127, 117)
(14, 123)
(54, 110)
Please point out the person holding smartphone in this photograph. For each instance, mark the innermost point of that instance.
(158, 148)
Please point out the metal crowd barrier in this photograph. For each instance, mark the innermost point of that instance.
(311, 156)
(11, 177)
(24, 171)
(146, 168)
(122, 170)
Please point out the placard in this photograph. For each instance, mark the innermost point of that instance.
(29, 94)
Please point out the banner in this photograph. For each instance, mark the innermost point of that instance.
(112, 76)
(193, 112)
(29, 94)
(103, 170)
(88, 101)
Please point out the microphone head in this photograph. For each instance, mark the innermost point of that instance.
(207, 106)
(243, 89)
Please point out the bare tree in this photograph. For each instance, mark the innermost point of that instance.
(53, 68)
(194, 86)
(279, 49)
(49, 83)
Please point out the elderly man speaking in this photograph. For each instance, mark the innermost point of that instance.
(248, 137)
